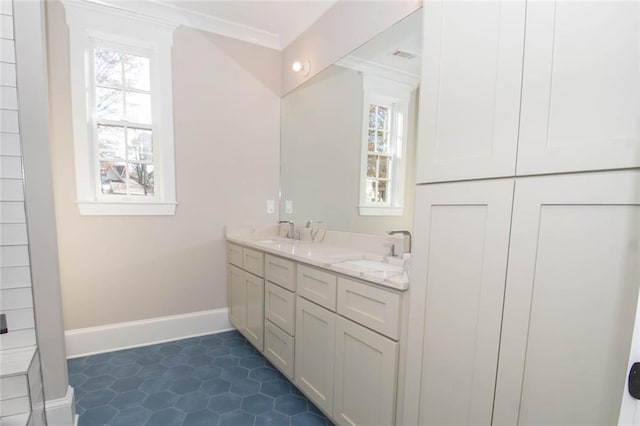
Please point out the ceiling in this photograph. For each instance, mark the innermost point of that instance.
(286, 20)
(269, 23)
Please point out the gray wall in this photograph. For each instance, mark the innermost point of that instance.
(226, 96)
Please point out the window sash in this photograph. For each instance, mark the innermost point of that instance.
(125, 124)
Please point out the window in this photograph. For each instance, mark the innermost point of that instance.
(122, 112)
(382, 178)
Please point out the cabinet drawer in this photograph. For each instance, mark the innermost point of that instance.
(317, 286)
(280, 271)
(280, 307)
(234, 254)
(253, 261)
(9, 407)
(370, 306)
(13, 387)
(279, 348)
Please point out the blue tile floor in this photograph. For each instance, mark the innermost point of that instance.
(219, 379)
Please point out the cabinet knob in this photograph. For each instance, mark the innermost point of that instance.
(634, 380)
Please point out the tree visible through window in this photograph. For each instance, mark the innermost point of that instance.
(383, 166)
(124, 132)
(379, 155)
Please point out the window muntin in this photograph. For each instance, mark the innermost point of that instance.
(123, 124)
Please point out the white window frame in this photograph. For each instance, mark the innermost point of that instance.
(90, 24)
(396, 96)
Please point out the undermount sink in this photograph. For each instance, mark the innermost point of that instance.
(368, 265)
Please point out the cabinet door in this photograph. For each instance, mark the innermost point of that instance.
(255, 309)
(570, 301)
(459, 267)
(280, 307)
(237, 297)
(315, 350)
(581, 87)
(365, 379)
(279, 348)
(470, 90)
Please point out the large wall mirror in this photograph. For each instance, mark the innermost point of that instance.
(349, 135)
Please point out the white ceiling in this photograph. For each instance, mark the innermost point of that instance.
(283, 20)
(405, 36)
(269, 23)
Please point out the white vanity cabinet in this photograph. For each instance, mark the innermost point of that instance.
(280, 313)
(347, 361)
(315, 352)
(336, 337)
(246, 292)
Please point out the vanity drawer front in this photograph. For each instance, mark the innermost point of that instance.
(373, 307)
(253, 261)
(14, 387)
(317, 286)
(280, 307)
(280, 271)
(279, 348)
(234, 254)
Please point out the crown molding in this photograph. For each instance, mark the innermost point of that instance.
(384, 71)
(160, 12)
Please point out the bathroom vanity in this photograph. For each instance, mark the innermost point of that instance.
(330, 316)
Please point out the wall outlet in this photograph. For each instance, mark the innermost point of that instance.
(270, 206)
(288, 206)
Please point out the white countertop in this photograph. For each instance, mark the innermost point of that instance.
(386, 271)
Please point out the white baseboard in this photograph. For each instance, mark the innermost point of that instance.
(113, 337)
(62, 411)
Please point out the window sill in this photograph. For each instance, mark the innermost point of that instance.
(100, 208)
(380, 211)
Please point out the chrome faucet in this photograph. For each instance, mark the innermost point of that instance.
(405, 234)
(291, 230)
(314, 232)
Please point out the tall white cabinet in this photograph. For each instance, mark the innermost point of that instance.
(527, 254)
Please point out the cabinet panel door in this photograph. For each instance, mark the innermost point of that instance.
(365, 379)
(280, 307)
(581, 87)
(255, 309)
(279, 348)
(457, 288)
(570, 300)
(470, 90)
(237, 297)
(315, 351)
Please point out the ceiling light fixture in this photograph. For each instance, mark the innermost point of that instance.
(305, 68)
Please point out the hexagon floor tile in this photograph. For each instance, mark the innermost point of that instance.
(213, 380)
